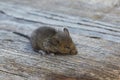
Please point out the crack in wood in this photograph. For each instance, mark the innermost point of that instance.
(17, 18)
(13, 73)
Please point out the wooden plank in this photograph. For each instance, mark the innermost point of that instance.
(98, 47)
(90, 27)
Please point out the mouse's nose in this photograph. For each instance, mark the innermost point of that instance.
(73, 52)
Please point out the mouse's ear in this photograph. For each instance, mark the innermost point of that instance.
(66, 31)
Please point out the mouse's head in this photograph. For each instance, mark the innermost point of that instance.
(61, 43)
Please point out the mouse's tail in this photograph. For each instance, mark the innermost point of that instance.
(22, 35)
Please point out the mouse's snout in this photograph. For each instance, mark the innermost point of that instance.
(73, 52)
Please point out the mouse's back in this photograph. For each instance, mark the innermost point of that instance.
(39, 36)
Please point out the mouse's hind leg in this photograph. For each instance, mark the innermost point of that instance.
(35, 47)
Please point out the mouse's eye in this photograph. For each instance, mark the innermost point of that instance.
(56, 42)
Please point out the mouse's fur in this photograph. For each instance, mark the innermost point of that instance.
(51, 40)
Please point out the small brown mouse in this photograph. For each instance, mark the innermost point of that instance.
(51, 40)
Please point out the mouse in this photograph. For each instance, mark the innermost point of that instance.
(51, 40)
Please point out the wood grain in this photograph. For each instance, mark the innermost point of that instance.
(98, 44)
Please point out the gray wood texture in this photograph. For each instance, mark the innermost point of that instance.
(98, 45)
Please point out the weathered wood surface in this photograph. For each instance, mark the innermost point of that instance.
(98, 45)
